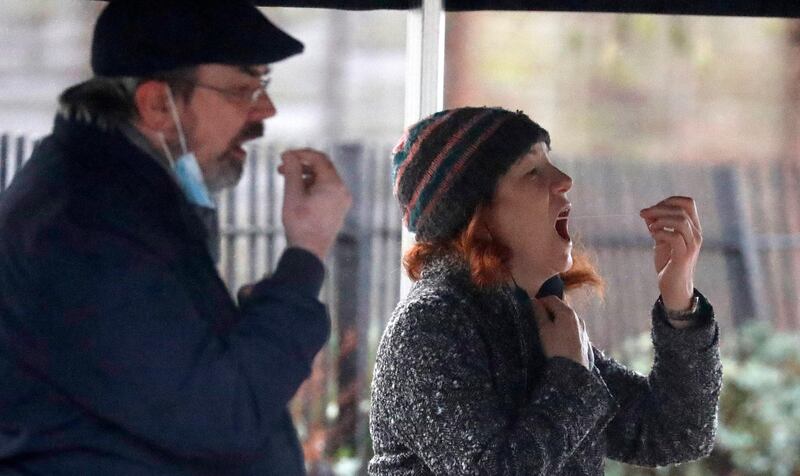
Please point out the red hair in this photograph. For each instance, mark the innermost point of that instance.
(488, 259)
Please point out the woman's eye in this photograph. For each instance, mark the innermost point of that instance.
(533, 171)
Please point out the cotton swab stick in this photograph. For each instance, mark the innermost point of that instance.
(615, 215)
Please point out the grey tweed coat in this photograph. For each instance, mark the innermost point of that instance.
(462, 387)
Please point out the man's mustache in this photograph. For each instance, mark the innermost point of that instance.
(251, 131)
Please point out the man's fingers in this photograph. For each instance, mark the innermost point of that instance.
(317, 165)
(292, 170)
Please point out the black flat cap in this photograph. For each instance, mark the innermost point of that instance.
(141, 37)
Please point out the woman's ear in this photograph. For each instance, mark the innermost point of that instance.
(481, 218)
(152, 105)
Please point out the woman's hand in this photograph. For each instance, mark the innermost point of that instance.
(561, 331)
(674, 225)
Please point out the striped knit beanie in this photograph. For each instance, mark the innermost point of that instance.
(448, 164)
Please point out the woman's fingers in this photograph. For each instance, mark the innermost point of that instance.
(678, 225)
(675, 226)
(676, 231)
(556, 307)
(688, 205)
(676, 205)
(561, 331)
(540, 313)
(674, 221)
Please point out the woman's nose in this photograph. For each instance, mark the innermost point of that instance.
(562, 183)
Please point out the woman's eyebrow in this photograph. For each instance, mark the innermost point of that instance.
(535, 152)
(526, 161)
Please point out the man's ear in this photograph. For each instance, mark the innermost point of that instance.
(152, 105)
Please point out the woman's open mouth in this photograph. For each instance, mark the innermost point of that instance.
(561, 225)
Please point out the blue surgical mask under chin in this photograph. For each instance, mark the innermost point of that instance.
(191, 181)
(187, 170)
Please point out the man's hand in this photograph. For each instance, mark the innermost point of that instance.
(315, 200)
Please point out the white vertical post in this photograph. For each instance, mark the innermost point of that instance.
(424, 77)
(424, 61)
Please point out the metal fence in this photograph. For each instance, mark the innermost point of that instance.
(361, 288)
(749, 267)
(750, 263)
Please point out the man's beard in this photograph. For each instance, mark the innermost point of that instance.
(228, 168)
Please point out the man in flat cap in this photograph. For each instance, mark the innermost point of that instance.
(121, 350)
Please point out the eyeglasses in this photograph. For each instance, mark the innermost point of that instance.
(241, 95)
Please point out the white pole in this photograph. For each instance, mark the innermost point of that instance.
(425, 32)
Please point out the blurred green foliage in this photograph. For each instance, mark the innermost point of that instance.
(759, 418)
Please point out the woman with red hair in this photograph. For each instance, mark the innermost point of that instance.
(483, 367)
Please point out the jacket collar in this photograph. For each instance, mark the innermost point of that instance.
(108, 156)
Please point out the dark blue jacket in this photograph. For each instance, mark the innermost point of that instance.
(121, 350)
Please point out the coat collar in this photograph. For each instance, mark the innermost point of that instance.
(108, 161)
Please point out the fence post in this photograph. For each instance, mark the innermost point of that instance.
(254, 205)
(229, 239)
(3, 160)
(272, 217)
(21, 150)
(741, 247)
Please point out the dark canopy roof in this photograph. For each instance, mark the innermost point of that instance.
(764, 8)
(759, 8)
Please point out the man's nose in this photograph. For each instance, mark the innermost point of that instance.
(263, 108)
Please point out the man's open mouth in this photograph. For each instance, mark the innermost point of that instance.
(250, 132)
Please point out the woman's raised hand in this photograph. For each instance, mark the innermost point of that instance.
(675, 226)
(561, 331)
